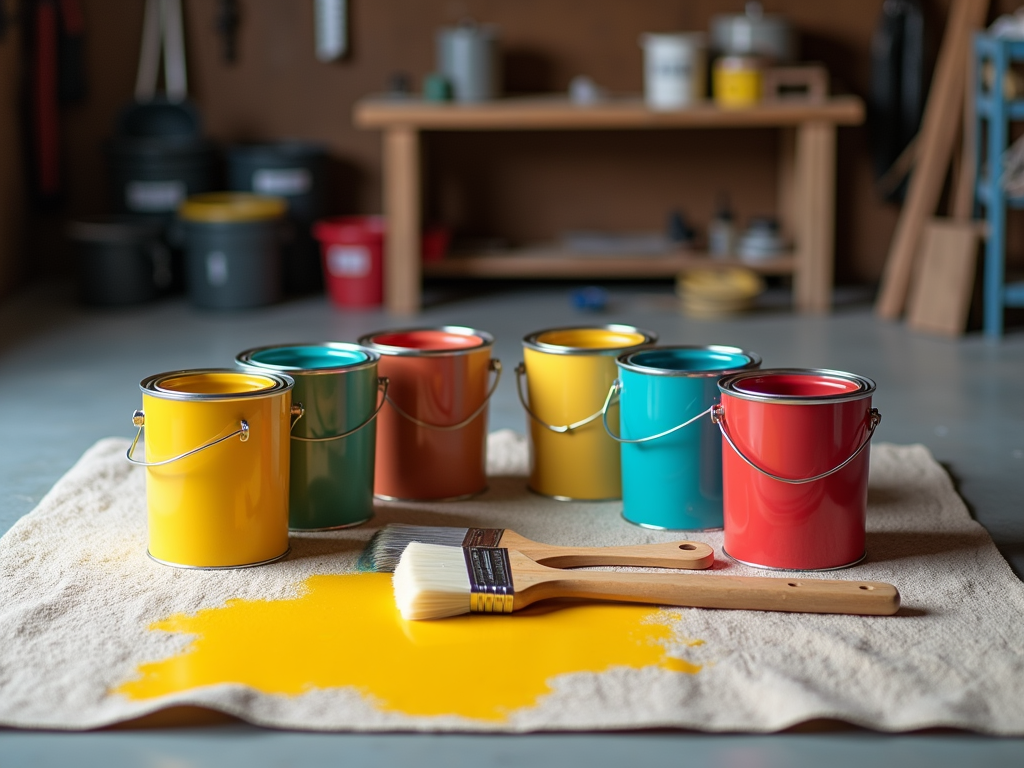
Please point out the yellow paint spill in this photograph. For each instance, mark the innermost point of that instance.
(344, 630)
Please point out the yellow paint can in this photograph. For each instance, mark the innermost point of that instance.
(216, 456)
(568, 372)
(736, 81)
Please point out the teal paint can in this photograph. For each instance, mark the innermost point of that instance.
(671, 450)
(334, 442)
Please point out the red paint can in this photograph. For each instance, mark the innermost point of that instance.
(795, 467)
(352, 248)
(432, 431)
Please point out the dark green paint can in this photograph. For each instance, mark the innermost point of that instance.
(334, 442)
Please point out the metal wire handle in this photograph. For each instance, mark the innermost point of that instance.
(382, 384)
(718, 417)
(495, 367)
(139, 420)
(614, 390)
(520, 372)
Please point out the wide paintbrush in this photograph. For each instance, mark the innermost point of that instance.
(434, 582)
(387, 545)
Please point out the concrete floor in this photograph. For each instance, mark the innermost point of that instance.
(69, 376)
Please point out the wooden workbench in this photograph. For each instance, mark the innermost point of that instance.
(806, 186)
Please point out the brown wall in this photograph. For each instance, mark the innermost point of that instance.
(520, 186)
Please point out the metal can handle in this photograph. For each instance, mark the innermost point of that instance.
(139, 420)
(613, 391)
(382, 386)
(520, 372)
(718, 417)
(495, 367)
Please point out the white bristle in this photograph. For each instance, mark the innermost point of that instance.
(431, 582)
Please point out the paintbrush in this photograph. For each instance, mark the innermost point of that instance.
(433, 582)
(386, 547)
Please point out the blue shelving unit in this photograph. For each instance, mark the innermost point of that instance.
(992, 114)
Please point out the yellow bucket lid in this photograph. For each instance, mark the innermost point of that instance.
(720, 284)
(229, 207)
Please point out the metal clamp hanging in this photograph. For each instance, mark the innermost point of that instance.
(139, 420)
(382, 386)
(495, 368)
(520, 372)
(613, 391)
(718, 417)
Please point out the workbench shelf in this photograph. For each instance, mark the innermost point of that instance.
(557, 264)
(806, 186)
(993, 114)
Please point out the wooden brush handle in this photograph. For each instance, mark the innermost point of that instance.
(691, 555)
(534, 582)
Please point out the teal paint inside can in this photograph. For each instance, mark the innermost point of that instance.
(674, 482)
(334, 443)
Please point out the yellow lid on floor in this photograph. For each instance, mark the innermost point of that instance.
(231, 207)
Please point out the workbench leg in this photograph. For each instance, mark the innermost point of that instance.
(815, 209)
(402, 262)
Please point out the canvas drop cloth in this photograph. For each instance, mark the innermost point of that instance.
(77, 594)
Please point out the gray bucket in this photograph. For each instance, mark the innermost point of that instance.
(119, 261)
(232, 261)
(298, 172)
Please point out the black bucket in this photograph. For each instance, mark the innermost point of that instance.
(157, 158)
(119, 260)
(232, 241)
(297, 172)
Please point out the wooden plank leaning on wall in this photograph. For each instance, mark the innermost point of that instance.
(935, 149)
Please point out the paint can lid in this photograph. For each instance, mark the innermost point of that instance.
(231, 207)
(797, 386)
(306, 359)
(435, 341)
(214, 384)
(613, 339)
(693, 361)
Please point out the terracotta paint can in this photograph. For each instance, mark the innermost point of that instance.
(333, 444)
(795, 467)
(432, 430)
(671, 454)
(216, 453)
(568, 372)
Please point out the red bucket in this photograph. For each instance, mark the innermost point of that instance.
(795, 467)
(352, 248)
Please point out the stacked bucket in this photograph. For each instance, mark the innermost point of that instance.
(693, 438)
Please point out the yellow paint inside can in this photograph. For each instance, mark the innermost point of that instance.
(590, 338)
(209, 383)
(344, 631)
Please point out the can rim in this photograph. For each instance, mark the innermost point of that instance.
(149, 386)
(244, 359)
(530, 341)
(625, 361)
(486, 340)
(865, 387)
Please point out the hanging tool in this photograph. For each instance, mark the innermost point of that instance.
(229, 18)
(162, 29)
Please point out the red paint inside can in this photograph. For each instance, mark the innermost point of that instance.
(427, 340)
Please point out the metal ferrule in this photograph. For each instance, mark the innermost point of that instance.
(483, 537)
(625, 361)
(151, 386)
(245, 359)
(531, 341)
(487, 340)
(865, 386)
(490, 580)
